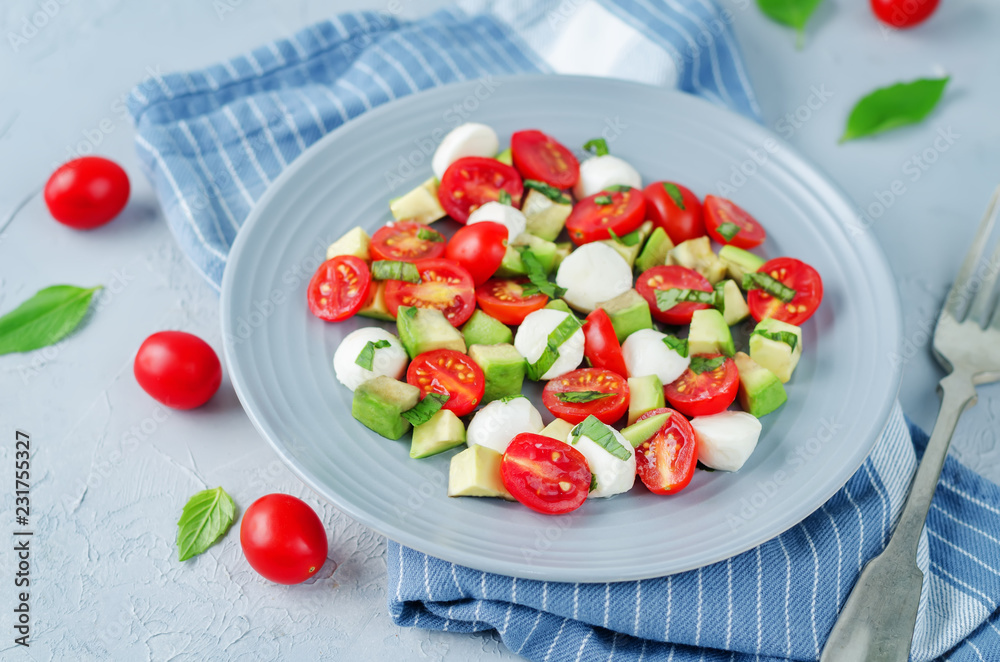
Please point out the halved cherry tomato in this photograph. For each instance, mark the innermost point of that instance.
(668, 277)
(546, 475)
(443, 285)
(705, 393)
(680, 222)
(479, 248)
(797, 275)
(542, 157)
(505, 300)
(607, 392)
(450, 372)
(601, 346)
(403, 242)
(666, 461)
(749, 232)
(591, 220)
(339, 288)
(473, 181)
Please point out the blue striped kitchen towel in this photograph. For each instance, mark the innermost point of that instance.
(212, 140)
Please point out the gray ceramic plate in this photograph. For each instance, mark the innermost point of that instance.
(279, 355)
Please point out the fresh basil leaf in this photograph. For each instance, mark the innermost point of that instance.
(728, 230)
(549, 355)
(786, 337)
(423, 410)
(894, 106)
(793, 13)
(675, 194)
(508, 398)
(429, 235)
(582, 396)
(539, 282)
(598, 146)
(593, 482)
(504, 197)
(411, 312)
(44, 319)
(679, 345)
(603, 200)
(206, 518)
(756, 280)
(700, 364)
(549, 191)
(367, 355)
(394, 270)
(601, 435)
(720, 296)
(667, 299)
(618, 188)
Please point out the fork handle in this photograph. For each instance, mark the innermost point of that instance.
(877, 621)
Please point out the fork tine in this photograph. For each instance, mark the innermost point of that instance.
(959, 294)
(983, 304)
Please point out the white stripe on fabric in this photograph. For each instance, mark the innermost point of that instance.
(968, 497)
(399, 584)
(583, 644)
(224, 155)
(614, 644)
(379, 80)
(638, 607)
(355, 90)
(212, 82)
(760, 588)
(513, 591)
(976, 648)
(885, 504)
(254, 64)
(576, 601)
(670, 596)
(545, 596)
(963, 552)
(861, 527)
(454, 578)
(268, 135)
(697, 627)
(987, 601)
(314, 111)
(482, 585)
(506, 620)
(812, 610)
(944, 512)
(788, 595)
(729, 602)
(713, 55)
(427, 578)
(607, 603)
(290, 121)
(530, 632)
(419, 57)
(199, 157)
(395, 64)
(737, 62)
(840, 553)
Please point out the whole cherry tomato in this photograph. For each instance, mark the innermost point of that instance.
(87, 192)
(283, 539)
(178, 369)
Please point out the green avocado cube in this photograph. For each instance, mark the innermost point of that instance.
(443, 431)
(654, 253)
(545, 217)
(481, 329)
(503, 367)
(644, 394)
(735, 308)
(475, 472)
(559, 304)
(563, 249)
(355, 242)
(639, 433)
(739, 262)
(774, 354)
(512, 265)
(379, 404)
(506, 156)
(419, 205)
(629, 313)
(710, 334)
(761, 392)
(557, 429)
(376, 308)
(425, 329)
(697, 254)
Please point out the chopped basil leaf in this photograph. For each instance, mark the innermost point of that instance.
(728, 230)
(603, 200)
(411, 312)
(700, 364)
(679, 345)
(536, 274)
(507, 398)
(549, 191)
(675, 194)
(582, 396)
(504, 197)
(598, 146)
(593, 482)
(429, 235)
(393, 270)
(704, 467)
(426, 408)
(367, 355)
(756, 280)
(667, 299)
(618, 188)
(720, 296)
(631, 239)
(786, 337)
(601, 435)
(558, 336)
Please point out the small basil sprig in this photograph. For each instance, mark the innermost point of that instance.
(894, 106)
(44, 319)
(793, 13)
(582, 396)
(598, 146)
(206, 518)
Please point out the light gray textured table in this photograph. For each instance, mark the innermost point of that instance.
(111, 470)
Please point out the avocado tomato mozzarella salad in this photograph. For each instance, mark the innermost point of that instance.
(627, 323)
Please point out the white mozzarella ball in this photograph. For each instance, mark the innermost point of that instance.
(505, 215)
(591, 274)
(495, 425)
(599, 172)
(469, 139)
(533, 337)
(726, 440)
(645, 353)
(389, 361)
(611, 474)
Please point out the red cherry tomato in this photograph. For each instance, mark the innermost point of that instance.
(705, 393)
(283, 539)
(546, 475)
(601, 346)
(505, 300)
(680, 221)
(608, 390)
(595, 217)
(449, 372)
(542, 157)
(339, 288)
(406, 242)
(479, 248)
(177, 369)
(668, 277)
(87, 192)
(472, 181)
(443, 285)
(797, 275)
(719, 211)
(666, 461)
(903, 13)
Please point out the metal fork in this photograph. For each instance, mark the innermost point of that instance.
(878, 619)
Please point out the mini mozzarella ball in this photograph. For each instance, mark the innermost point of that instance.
(469, 139)
(495, 425)
(725, 441)
(612, 475)
(389, 361)
(591, 274)
(599, 172)
(507, 216)
(533, 337)
(645, 353)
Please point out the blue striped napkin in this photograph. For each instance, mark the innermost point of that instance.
(213, 140)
